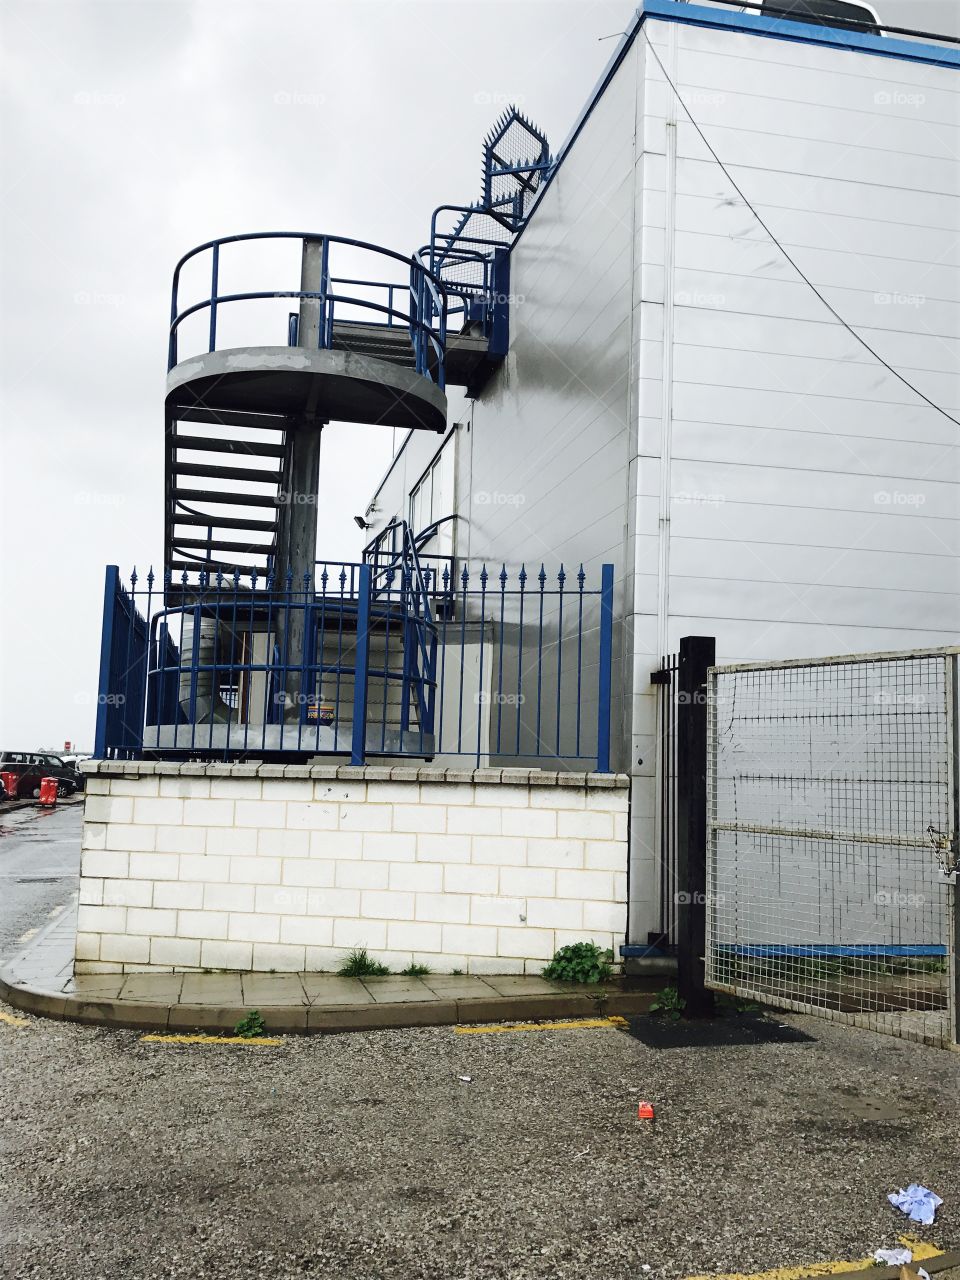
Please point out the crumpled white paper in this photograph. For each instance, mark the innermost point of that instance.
(920, 1204)
(893, 1257)
(898, 1258)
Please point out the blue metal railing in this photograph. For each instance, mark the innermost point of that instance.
(353, 662)
(470, 253)
(417, 302)
(390, 548)
(123, 665)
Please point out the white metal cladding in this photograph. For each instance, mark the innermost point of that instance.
(832, 837)
(677, 400)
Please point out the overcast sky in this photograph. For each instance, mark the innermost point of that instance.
(133, 130)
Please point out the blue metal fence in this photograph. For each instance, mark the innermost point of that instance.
(514, 667)
(123, 668)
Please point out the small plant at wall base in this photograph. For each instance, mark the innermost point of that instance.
(669, 1004)
(358, 964)
(580, 962)
(250, 1027)
(415, 971)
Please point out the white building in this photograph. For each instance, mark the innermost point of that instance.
(732, 365)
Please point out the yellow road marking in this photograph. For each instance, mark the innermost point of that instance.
(260, 1042)
(574, 1024)
(25, 937)
(920, 1249)
(14, 1022)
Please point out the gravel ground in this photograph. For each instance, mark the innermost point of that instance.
(363, 1156)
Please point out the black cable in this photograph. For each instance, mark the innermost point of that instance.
(806, 279)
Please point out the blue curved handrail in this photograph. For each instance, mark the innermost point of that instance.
(425, 317)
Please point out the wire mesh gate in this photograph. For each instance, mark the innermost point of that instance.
(832, 838)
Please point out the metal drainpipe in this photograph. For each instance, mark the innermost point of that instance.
(208, 707)
(666, 372)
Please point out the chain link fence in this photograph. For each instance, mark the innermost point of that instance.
(832, 838)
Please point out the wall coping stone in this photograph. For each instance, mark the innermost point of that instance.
(350, 773)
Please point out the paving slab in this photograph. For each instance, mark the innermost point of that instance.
(329, 988)
(95, 986)
(397, 990)
(459, 988)
(511, 984)
(273, 989)
(161, 988)
(212, 988)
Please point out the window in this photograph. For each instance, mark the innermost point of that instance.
(432, 498)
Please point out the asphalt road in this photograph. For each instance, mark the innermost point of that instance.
(39, 866)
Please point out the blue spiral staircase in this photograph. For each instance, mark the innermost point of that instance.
(248, 642)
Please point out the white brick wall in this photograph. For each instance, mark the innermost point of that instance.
(190, 866)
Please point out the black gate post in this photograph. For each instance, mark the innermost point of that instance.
(697, 653)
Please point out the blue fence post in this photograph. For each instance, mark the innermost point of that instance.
(326, 321)
(605, 669)
(111, 585)
(361, 666)
(214, 290)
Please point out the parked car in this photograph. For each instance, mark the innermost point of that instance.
(32, 766)
(827, 13)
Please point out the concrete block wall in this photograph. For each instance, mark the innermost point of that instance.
(289, 867)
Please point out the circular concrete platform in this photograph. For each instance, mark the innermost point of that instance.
(341, 386)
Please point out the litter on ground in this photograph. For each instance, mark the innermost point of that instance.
(893, 1257)
(920, 1204)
